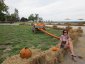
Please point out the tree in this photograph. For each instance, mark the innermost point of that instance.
(16, 14)
(23, 19)
(31, 18)
(37, 17)
(13, 18)
(34, 17)
(40, 19)
(3, 7)
(3, 11)
(2, 17)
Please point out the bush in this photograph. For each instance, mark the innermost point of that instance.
(54, 27)
(23, 23)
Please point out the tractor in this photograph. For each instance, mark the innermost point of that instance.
(37, 26)
(40, 26)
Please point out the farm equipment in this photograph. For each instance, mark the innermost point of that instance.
(41, 27)
(37, 26)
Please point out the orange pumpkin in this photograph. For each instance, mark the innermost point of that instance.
(55, 49)
(25, 53)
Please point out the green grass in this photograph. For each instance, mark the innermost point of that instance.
(22, 36)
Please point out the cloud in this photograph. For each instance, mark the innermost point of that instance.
(49, 9)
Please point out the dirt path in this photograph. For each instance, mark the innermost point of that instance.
(79, 50)
(9, 24)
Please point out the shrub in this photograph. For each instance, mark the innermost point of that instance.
(54, 27)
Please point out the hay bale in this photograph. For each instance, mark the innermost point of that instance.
(47, 57)
(54, 27)
(73, 34)
(16, 59)
(68, 28)
(60, 28)
(71, 30)
(80, 31)
(76, 32)
(38, 57)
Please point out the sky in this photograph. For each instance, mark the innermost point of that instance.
(49, 9)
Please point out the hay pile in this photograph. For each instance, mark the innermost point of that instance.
(38, 57)
(80, 31)
(54, 26)
(57, 28)
(16, 59)
(75, 33)
(68, 28)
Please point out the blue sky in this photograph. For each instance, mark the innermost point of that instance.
(49, 9)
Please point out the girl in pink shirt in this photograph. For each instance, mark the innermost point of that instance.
(66, 42)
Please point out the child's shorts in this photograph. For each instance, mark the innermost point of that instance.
(63, 43)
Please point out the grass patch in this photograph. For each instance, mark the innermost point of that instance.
(22, 36)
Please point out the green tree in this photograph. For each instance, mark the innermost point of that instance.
(3, 11)
(23, 19)
(16, 14)
(12, 18)
(35, 17)
(2, 17)
(40, 19)
(31, 18)
(3, 7)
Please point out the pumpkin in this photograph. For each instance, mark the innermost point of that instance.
(25, 53)
(55, 49)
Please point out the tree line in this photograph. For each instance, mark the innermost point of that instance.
(6, 17)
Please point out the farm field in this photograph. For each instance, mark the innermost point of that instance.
(14, 38)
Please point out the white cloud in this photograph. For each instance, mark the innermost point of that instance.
(49, 9)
